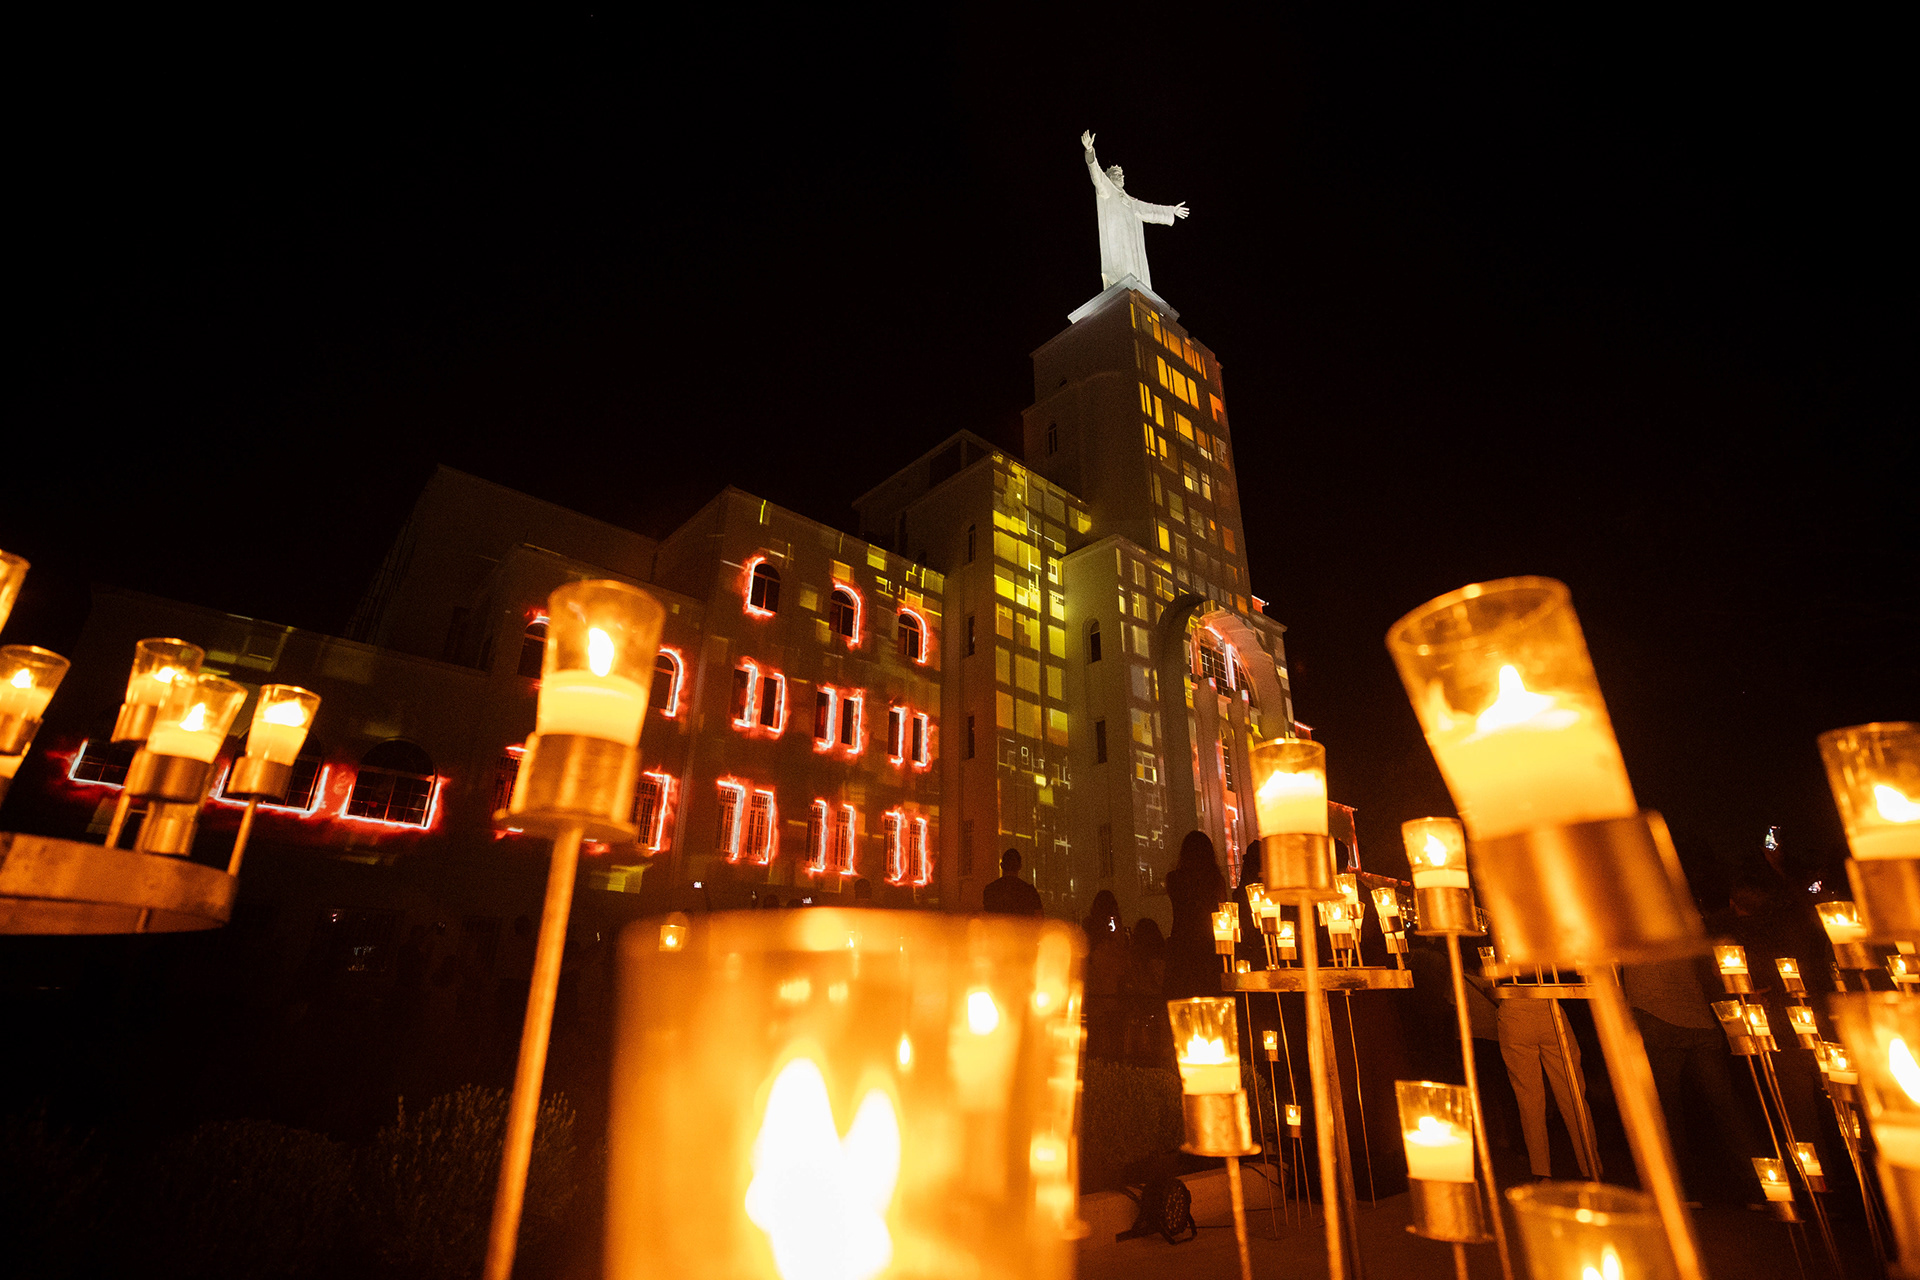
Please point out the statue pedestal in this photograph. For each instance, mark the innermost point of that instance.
(1112, 291)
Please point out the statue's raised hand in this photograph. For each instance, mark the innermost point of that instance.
(1086, 140)
(1180, 210)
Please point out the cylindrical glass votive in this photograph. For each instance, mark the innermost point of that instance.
(603, 638)
(1386, 902)
(193, 721)
(1841, 920)
(158, 665)
(1206, 1044)
(1499, 677)
(1290, 787)
(29, 675)
(1436, 1127)
(1881, 1031)
(281, 719)
(1731, 959)
(1589, 1229)
(1437, 852)
(1874, 771)
(1773, 1178)
(845, 1094)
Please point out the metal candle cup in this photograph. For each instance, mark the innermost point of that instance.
(834, 1093)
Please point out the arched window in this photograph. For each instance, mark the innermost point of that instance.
(395, 785)
(667, 672)
(843, 614)
(913, 637)
(1093, 641)
(763, 588)
(533, 647)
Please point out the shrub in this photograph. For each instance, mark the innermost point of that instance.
(424, 1187)
(1128, 1114)
(237, 1198)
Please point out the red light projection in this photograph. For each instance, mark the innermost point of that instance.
(733, 798)
(922, 740)
(832, 837)
(653, 834)
(763, 828)
(822, 837)
(844, 834)
(923, 874)
(926, 635)
(749, 822)
(896, 826)
(826, 720)
(434, 789)
(219, 795)
(671, 709)
(859, 608)
(754, 712)
(746, 588)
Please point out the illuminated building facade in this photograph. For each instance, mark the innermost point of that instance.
(1084, 587)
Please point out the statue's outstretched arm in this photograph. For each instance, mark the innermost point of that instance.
(1101, 182)
(1164, 214)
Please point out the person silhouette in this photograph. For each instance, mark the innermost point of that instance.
(1010, 895)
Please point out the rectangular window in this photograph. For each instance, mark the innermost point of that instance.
(1003, 710)
(969, 635)
(773, 702)
(1145, 766)
(727, 838)
(1027, 673)
(103, 762)
(1141, 645)
(1056, 684)
(897, 734)
(1219, 409)
(762, 828)
(1190, 475)
(1226, 767)
(1030, 633)
(845, 828)
(1002, 664)
(1056, 726)
(1002, 582)
(743, 682)
(1093, 642)
(1142, 727)
(823, 717)
(1006, 548)
(1160, 529)
(1027, 721)
(819, 836)
(922, 740)
(852, 708)
(970, 542)
(969, 754)
(1099, 741)
(922, 854)
(1057, 605)
(385, 796)
(651, 807)
(1226, 540)
(895, 822)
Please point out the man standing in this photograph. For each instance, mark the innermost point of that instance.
(1010, 895)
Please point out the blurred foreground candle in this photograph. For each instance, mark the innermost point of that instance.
(1881, 1030)
(28, 678)
(1499, 677)
(1591, 1231)
(13, 572)
(800, 1095)
(192, 723)
(1290, 787)
(1841, 920)
(158, 665)
(1874, 771)
(1206, 1044)
(1436, 1126)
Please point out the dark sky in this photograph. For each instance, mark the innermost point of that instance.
(1626, 301)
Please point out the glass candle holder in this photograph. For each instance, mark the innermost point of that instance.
(159, 664)
(1730, 959)
(281, 719)
(1499, 677)
(1436, 1127)
(603, 638)
(1290, 787)
(1773, 1178)
(193, 721)
(1874, 771)
(1386, 902)
(1226, 926)
(1270, 1043)
(1841, 920)
(1437, 852)
(1206, 1044)
(1902, 969)
(1790, 976)
(1881, 1032)
(1591, 1231)
(1293, 1119)
(1836, 1064)
(1808, 1158)
(1757, 1024)
(13, 572)
(29, 675)
(1733, 1021)
(1801, 1018)
(845, 1094)
(1349, 886)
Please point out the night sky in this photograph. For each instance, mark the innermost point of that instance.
(1627, 303)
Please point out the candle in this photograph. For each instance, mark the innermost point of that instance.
(280, 722)
(1206, 1038)
(1874, 773)
(1437, 852)
(1438, 1151)
(1841, 921)
(1293, 1115)
(22, 693)
(194, 722)
(158, 665)
(1731, 959)
(592, 705)
(1757, 1023)
(602, 641)
(1386, 903)
(1838, 1065)
(1287, 803)
(1270, 1041)
(1773, 1178)
(1808, 1159)
(1800, 1017)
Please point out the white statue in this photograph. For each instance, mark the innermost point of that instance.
(1123, 246)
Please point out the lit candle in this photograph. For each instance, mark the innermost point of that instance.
(1808, 1159)
(1289, 803)
(281, 719)
(1539, 750)
(1436, 1127)
(194, 721)
(1841, 920)
(1731, 959)
(28, 678)
(1270, 1041)
(1801, 1018)
(1757, 1023)
(158, 665)
(1293, 1115)
(1839, 1065)
(1387, 903)
(1206, 1044)
(602, 641)
(1874, 773)
(1773, 1178)
(1437, 852)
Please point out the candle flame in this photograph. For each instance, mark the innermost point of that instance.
(599, 651)
(289, 713)
(1269, 1041)
(1202, 1051)
(1280, 784)
(1435, 851)
(821, 1198)
(195, 721)
(1893, 805)
(167, 675)
(904, 1054)
(1432, 1131)
(1906, 1072)
(22, 679)
(1609, 1268)
(983, 1015)
(1516, 705)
